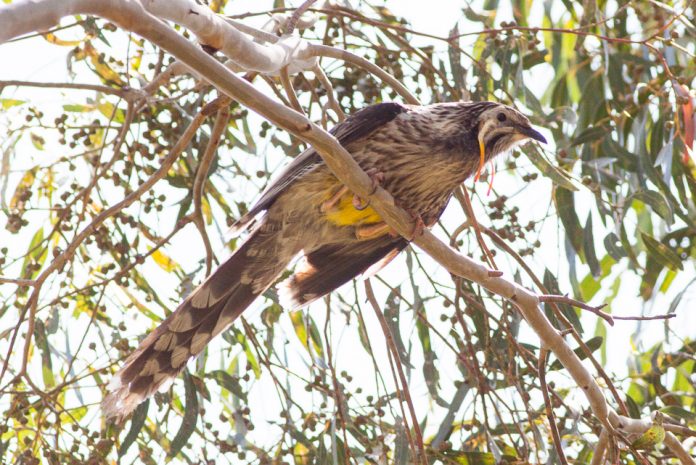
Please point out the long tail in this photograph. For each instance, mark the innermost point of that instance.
(211, 308)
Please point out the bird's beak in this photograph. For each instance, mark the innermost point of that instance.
(531, 133)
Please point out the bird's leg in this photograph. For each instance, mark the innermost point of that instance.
(419, 227)
(372, 231)
(330, 203)
(377, 178)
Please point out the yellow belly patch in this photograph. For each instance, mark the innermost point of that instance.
(344, 213)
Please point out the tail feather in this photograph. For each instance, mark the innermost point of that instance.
(329, 267)
(209, 310)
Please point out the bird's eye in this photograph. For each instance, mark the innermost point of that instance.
(501, 117)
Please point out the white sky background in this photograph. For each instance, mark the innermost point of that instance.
(36, 60)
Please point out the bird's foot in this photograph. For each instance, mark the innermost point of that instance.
(373, 231)
(377, 178)
(331, 202)
(359, 204)
(419, 227)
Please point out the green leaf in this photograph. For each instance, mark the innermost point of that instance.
(588, 247)
(565, 206)
(661, 253)
(229, 382)
(632, 406)
(614, 247)
(657, 201)
(137, 423)
(392, 315)
(251, 359)
(474, 458)
(551, 285)
(46, 364)
(188, 425)
(301, 322)
(77, 108)
(37, 141)
(36, 253)
(588, 135)
(430, 372)
(556, 175)
(589, 285)
(679, 412)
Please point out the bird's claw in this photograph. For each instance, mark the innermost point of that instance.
(377, 178)
(419, 227)
(359, 204)
(333, 200)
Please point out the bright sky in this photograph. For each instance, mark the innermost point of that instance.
(37, 60)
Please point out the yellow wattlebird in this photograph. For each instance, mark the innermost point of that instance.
(420, 154)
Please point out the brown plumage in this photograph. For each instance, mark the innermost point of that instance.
(422, 153)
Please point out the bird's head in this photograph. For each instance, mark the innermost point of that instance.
(501, 127)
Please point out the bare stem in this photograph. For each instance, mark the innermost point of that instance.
(562, 299)
(223, 117)
(330, 93)
(391, 345)
(326, 51)
(297, 14)
(290, 90)
(543, 353)
(126, 94)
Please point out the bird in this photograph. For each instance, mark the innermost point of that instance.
(419, 153)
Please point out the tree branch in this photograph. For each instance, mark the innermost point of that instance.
(23, 17)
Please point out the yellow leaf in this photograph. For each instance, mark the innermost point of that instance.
(97, 138)
(298, 321)
(301, 454)
(104, 71)
(207, 213)
(110, 111)
(10, 102)
(52, 38)
(166, 263)
(24, 185)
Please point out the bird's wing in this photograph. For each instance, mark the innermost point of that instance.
(332, 265)
(358, 126)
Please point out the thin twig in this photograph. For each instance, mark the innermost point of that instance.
(391, 345)
(339, 398)
(290, 90)
(543, 353)
(462, 195)
(600, 448)
(296, 15)
(221, 121)
(564, 299)
(645, 318)
(345, 55)
(18, 281)
(125, 93)
(330, 93)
